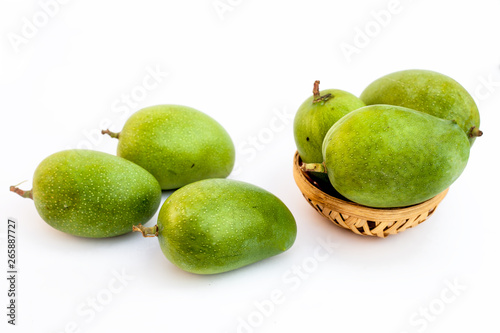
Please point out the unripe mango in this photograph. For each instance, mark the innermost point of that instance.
(92, 194)
(217, 225)
(390, 156)
(176, 144)
(315, 117)
(427, 91)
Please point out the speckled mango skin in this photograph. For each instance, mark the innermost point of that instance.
(217, 225)
(313, 120)
(427, 91)
(177, 144)
(390, 156)
(93, 194)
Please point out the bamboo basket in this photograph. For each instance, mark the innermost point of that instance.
(360, 219)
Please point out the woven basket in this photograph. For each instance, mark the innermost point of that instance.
(360, 219)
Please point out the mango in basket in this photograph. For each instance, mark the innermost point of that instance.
(217, 225)
(390, 156)
(427, 91)
(315, 117)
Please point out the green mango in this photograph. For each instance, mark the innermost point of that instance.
(315, 117)
(427, 91)
(390, 156)
(176, 144)
(92, 194)
(217, 225)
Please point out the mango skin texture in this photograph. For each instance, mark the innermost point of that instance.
(389, 156)
(217, 225)
(93, 194)
(177, 144)
(427, 91)
(313, 120)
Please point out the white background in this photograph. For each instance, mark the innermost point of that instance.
(249, 65)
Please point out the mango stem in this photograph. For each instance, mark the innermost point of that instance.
(24, 194)
(475, 132)
(146, 231)
(313, 167)
(111, 134)
(316, 89)
(317, 96)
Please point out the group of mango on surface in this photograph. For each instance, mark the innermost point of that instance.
(406, 138)
(208, 225)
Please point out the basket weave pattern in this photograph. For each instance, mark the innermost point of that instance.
(360, 219)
